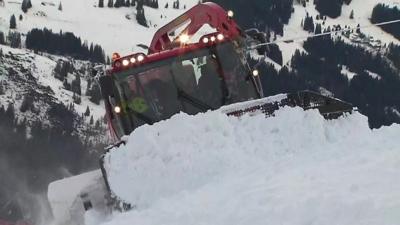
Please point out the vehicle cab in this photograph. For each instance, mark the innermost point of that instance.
(185, 74)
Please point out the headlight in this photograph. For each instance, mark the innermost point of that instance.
(140, 58)
(184, 38)
(255, 73)
(117, 109)
(125, 62)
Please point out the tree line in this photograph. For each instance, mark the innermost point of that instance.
(63, 44)
(321, 66)
(128, 3)
(384, 13)
(331, 8)
(260, 14)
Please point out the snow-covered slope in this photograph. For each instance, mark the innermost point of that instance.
(362, 14)
(294, 168)
(109, 27)
(23, 73)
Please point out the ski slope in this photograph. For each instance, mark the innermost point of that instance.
(109, 27)
(294, 168)
(362, 14)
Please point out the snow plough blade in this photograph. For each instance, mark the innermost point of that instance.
(330, 108)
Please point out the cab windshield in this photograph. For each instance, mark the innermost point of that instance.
(195, 82)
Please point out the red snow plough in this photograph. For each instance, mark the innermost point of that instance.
(196, 63)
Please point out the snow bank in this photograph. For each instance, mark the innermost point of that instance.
(294, 168)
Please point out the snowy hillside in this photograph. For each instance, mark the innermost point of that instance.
(32, 74)
(362, 14)
(116, 30)
(294, 168)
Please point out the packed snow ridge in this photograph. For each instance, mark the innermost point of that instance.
(293, 168)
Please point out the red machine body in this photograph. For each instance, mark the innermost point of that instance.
(163, 47)
(180, 38)
(201, 14)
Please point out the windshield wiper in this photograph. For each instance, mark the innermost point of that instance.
(194, 101)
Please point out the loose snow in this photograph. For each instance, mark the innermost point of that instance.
(293, 168)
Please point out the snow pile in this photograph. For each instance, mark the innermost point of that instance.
(294, 168)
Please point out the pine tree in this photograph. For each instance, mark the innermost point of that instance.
(1, 85)
(77, 99)
(101, 3)
(318, 29)
(87, 112)
(309, 24)
(97, 125)
(24, 6)
(20, 17)
(331, 8)
(66, 85)
(119, 3)
(88, 86)
(140, 17)
(91, 50)
(95, 94)
(91, 120)
(352, 14)
(175, 4)
(155, 4)
(2, 38)
(76, 85)
(27, 103)
(60, 7)
(133, 3)
(166, 6)
(110, 4)
(108, 62)
(10, 112)
(13, 22)
(14, 39)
